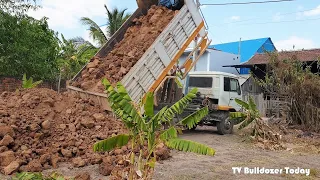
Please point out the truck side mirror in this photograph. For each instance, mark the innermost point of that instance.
(239, 91)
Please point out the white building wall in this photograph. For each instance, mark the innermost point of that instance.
(218, 59)
(213, 60)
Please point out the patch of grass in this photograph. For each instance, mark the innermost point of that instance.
(314, 172)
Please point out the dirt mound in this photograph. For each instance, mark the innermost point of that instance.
(39, 128)
(127, 52)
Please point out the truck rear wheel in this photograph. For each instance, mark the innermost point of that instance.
(225, 126)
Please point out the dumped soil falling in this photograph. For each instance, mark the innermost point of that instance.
(137, 39)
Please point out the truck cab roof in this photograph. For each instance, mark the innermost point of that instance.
(212, 73)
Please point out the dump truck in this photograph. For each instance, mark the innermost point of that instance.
(159, 63)
(218, 91)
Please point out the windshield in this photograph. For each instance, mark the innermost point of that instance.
(201, 82)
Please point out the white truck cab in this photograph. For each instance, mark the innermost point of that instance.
(218, 91)
(222, 88)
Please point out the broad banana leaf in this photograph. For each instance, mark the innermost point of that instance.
(170, 133)
(35, 84)
(111, 143)
(190, 146)
(246, 123)
(179, 106)
(235, 115)
(121, 104)
(178, 83)
(242, 103)
(252, 105)
(148, 105)
(157, 119)
(193, 119)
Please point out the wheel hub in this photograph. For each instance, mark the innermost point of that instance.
(227, 124)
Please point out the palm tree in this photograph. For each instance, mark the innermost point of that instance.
(115, 19)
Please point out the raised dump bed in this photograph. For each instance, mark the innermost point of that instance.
(157, 61)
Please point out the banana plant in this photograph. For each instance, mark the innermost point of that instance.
(250, 114)
(28, 83)
(37, 176)
(148, 127)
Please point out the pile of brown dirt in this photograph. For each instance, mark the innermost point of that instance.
(40, 128)
(126, 53)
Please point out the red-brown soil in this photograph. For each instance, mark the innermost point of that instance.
(138, 38)
(40, 128)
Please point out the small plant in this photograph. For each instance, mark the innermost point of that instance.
(252, 115)
(37, 176)
(28, 83)
(147, 127)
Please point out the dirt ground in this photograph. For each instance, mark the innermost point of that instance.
(231, 151)
(234, 151)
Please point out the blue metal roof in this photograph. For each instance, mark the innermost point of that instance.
(248, 48)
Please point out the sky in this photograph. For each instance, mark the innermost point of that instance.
(288, 24)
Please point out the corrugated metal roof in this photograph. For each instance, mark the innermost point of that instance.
(247, 47)
(302, 55)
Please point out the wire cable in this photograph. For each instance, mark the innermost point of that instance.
(280, 14)
(244, 3)
(271, 22)
(206, 24)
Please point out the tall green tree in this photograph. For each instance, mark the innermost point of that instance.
(115, 19)
(17, 7)
(27, 46)
(74, 54)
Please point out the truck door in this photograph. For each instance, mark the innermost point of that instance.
(233, 87)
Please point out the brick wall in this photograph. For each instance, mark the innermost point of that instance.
(11, 84)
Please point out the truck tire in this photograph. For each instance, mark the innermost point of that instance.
(225, 126)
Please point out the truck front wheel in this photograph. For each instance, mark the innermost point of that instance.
(225, 126)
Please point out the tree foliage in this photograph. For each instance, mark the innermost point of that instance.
(297, 83)
(74, 54)
(17, 7)
(115, 20)
(27, 46)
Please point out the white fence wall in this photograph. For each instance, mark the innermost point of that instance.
(268, 106)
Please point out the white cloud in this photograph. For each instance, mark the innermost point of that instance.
(297, 42)
(235, 18)
(66, 14)
(277, 17)
(313, 12)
